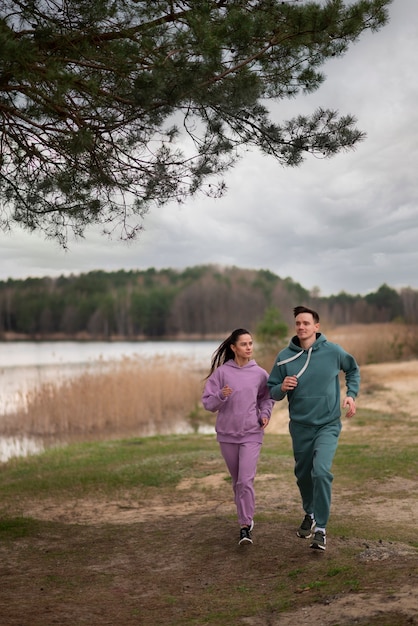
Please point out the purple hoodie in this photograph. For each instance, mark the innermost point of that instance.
(239, 415)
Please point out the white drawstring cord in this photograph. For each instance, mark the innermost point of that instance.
(292, 358)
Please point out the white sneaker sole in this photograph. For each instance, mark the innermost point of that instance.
(304, 536)
(245, 541)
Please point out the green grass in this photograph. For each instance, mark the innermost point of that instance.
(18, 528)
(374, 463)
(80, 469)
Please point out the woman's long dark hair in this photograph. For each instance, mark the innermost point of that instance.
(224, 352)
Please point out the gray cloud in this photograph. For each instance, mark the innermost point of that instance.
(345, 224)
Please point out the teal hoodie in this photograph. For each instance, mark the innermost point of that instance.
(316, 399)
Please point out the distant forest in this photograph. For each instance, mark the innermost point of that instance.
(199, 302)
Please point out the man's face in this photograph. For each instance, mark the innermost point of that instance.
(306, 327)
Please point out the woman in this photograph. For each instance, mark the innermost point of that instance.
(236, 388)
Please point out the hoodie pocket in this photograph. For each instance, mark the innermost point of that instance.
(313, 410)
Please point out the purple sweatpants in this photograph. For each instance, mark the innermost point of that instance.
(241, 461)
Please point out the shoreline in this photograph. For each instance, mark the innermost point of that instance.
(85, 337)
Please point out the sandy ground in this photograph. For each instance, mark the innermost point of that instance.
(385, 387)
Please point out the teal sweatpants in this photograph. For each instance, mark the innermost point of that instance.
(314, 449)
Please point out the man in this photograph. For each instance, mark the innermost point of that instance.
(307, 371)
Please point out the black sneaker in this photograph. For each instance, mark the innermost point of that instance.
(305, 529)
(245, 536)
(319, 541)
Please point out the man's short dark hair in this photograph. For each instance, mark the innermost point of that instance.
(305, 309)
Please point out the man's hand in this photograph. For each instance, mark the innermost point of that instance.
(351, 404)
(289, 383)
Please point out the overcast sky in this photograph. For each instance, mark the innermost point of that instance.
(349, 223)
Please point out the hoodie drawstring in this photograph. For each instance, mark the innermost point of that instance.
(292, 358)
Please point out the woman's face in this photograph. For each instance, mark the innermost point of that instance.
(243, 348)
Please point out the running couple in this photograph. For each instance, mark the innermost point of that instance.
(307, 372)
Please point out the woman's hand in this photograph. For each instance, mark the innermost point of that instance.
(226, 391)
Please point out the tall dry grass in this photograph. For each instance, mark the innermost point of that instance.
(137, 397)
(377, 343)
(128, 397)
(369, 343)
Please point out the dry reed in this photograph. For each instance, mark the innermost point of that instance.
(137, 397)
(369, 343)
(377, 343)
(127, 397)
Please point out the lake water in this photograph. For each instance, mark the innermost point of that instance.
(37, 354)
(24, 365)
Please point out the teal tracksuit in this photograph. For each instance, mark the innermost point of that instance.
(315, 414)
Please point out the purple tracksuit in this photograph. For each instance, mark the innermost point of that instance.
(238, 427)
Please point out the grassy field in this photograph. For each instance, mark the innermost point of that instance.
(143, 531)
